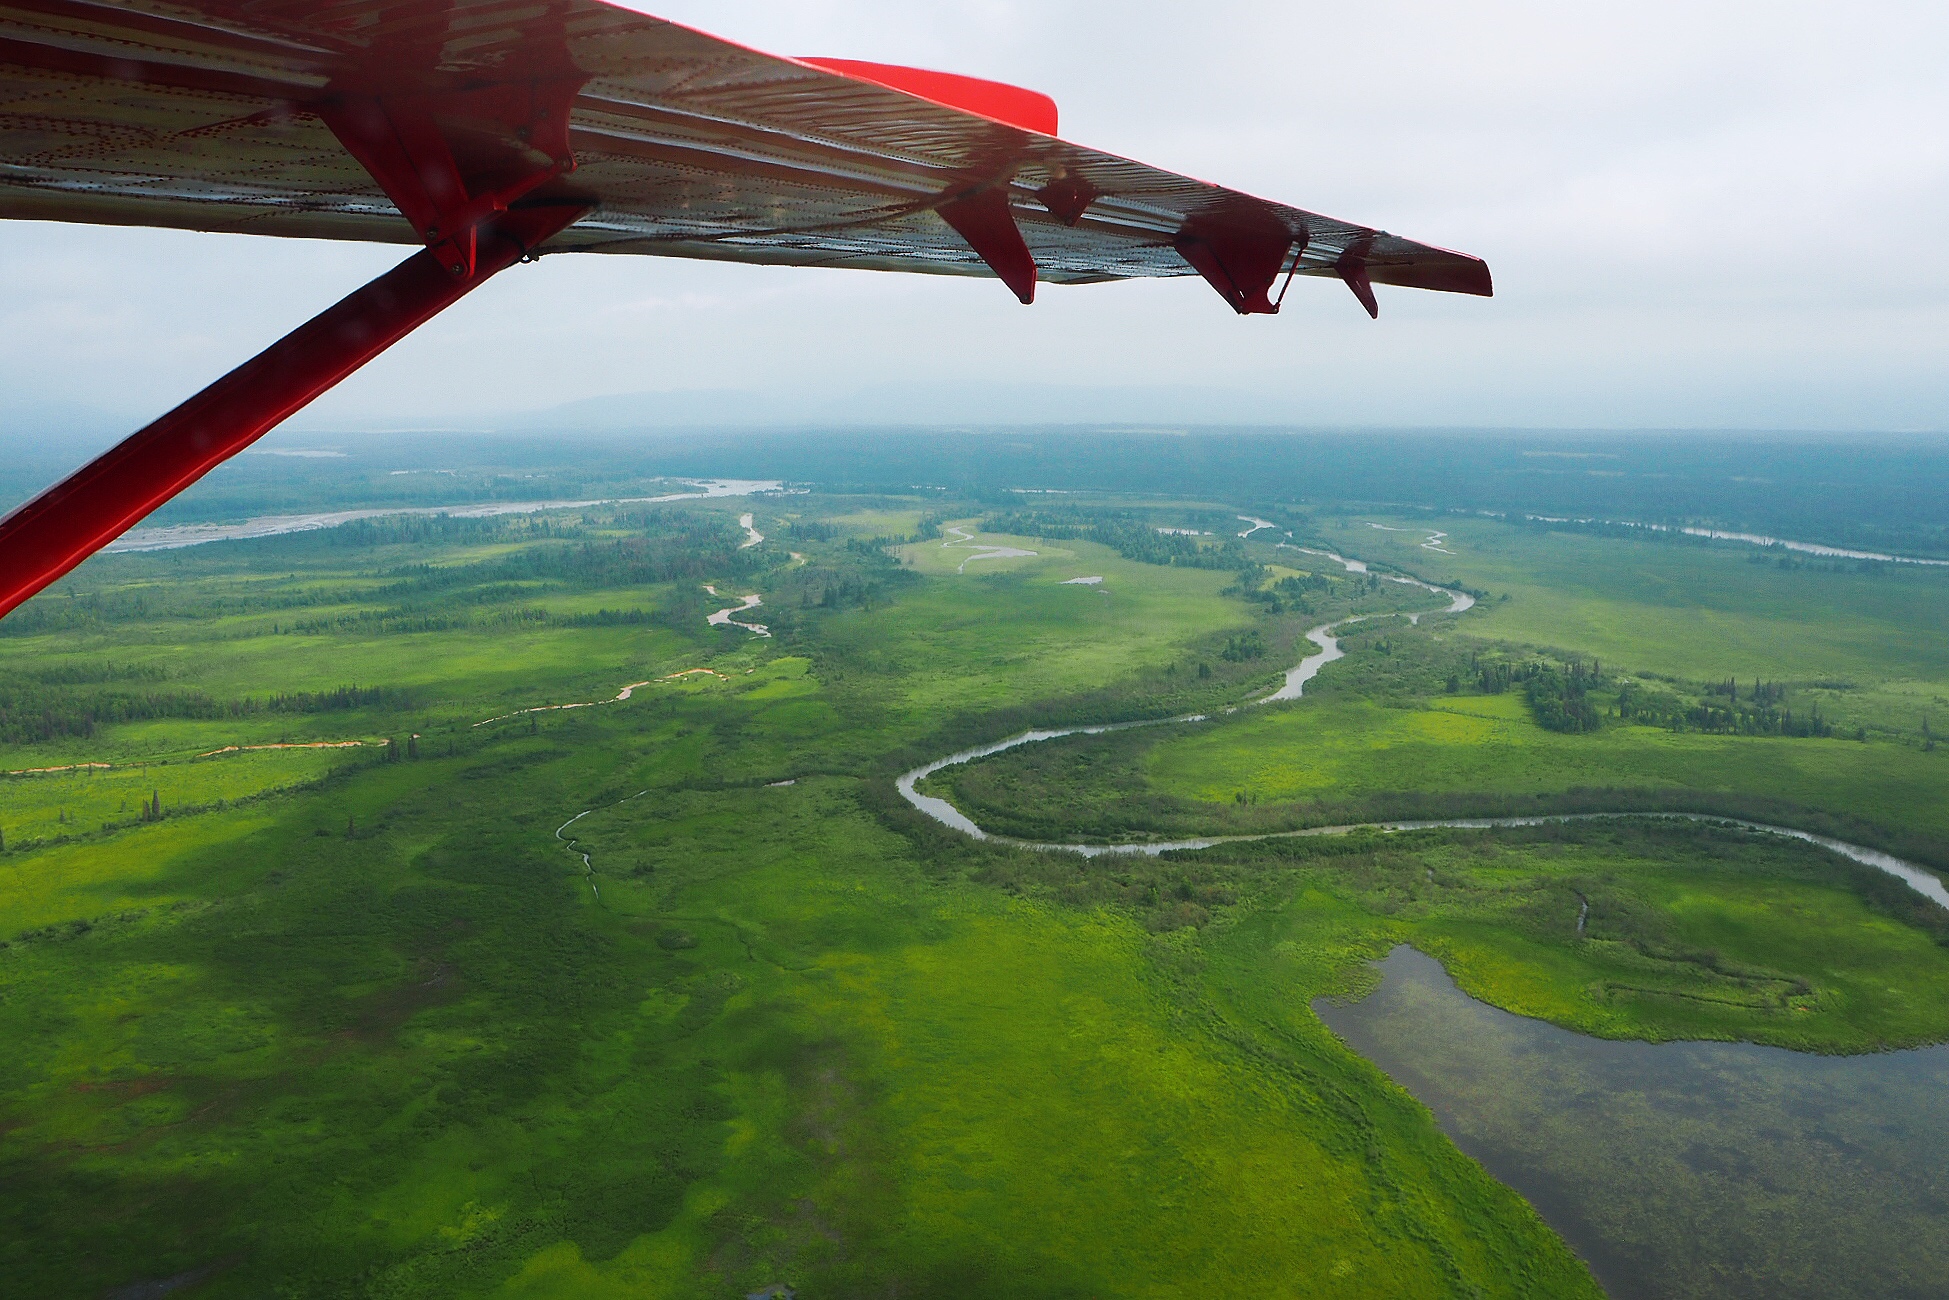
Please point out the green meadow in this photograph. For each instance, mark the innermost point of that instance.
(1871, 640)
(1347, 748)
(673, 996)
(50, 805)
(1399, 728)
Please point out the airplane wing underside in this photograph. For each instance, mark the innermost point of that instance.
(218, 115)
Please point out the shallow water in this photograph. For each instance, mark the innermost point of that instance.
(1681, 1170)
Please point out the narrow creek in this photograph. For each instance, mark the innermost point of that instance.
(722, 618)
(961, 537)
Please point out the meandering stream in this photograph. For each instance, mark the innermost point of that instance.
(722, 618)
(961, 537)
(1918, 878)
(1719, 1171)
(1678, 1171)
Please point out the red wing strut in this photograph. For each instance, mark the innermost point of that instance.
(487, 131)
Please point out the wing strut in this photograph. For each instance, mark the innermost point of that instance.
(64, 525)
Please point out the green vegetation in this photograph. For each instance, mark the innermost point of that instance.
(1445, 720)
(1636, 930)
(360, 1020)
(1135, 535)
(1869, 644)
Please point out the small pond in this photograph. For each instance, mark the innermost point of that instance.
(1720, 1170)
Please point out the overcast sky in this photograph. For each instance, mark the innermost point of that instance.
(1698, 215)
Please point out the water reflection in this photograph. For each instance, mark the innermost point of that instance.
(1718, 1170)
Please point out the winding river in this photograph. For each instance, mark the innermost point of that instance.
(1920, 879)
(1677, 1171)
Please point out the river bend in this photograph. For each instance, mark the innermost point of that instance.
(1916, 877)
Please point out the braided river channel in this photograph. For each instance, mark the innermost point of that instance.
(1676, 1170)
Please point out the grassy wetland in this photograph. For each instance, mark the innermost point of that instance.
(363, 938)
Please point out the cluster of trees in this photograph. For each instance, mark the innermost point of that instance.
(607, 618)
(1494, 676)
(414, 530)
(1289, 593)
(1781, 558)
(31, 712)
(1559, 698)
(85, 672)
(1131, 536)
(668, 546)
(34, 712)
(857, 574)
(1761, 692)
(1762, 714)
(1241, 649)
(407, 619)
(813, 530)
(1558, 693)
(1623, 531)
(842, 591)
(337, 700)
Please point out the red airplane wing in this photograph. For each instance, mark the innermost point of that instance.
(217, 115)
(491, 131)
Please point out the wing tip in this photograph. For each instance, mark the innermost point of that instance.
(1030, 110)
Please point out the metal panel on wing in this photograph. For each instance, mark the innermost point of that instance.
(213, 115)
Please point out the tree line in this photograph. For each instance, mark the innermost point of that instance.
(33, 713)
(1131, 536)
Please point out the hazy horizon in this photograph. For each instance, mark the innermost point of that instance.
(1670, 223)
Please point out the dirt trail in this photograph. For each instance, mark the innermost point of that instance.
(621, 695)
(309, 744)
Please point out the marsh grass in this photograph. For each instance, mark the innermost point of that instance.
(374, 1030)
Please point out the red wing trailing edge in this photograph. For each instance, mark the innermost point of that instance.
(490, 131)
